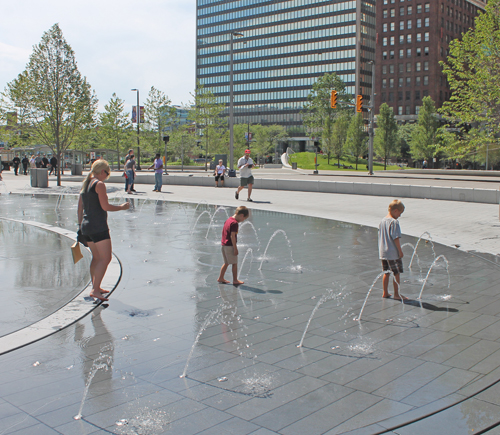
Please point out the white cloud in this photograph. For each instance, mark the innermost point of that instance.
(118, 45)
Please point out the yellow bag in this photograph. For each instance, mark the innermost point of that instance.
(77, 253)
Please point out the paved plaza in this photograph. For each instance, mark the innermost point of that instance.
(175, 352)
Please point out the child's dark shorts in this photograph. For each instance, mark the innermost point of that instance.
(219, 177)
(396, 266)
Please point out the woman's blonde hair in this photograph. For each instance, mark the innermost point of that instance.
(97, 168)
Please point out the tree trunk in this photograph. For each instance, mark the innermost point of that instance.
(385, 163)
(59, 165)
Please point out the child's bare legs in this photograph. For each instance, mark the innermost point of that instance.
(396, 283)
(236, 281)
(221, 278)
(385, 285)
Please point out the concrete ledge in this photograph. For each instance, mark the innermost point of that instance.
(69, 313)
(485, 196)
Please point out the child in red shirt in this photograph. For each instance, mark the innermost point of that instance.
(229, 248)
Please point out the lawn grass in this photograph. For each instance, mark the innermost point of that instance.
(306, 161)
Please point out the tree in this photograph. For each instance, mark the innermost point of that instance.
(182, 142)
(339, 135)
(115, 126)
(207, 114)
(319, 117)
(404, 137)
(267, 138)
(356, 137)
(56, 98)
(159, 114)
(424, 140)
(386, 134)
(473, 73)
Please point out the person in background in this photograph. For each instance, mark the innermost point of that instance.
(53, 165)
(158, 167)
(245, 164)
(219, 172)
(127, 158)
(16, 161)
(25, 162)
(130, 173)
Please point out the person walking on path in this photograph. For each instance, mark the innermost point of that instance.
(390, 252)
(25, 162)
(53, 165)
(130, 173)
(127, 158)
(158, 167)
(16, 161)
(220, 170)
(229, 244)
(93, 206)
(245, 164)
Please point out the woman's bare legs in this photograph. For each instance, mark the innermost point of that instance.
(101, 257)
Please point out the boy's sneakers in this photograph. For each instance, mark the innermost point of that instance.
(250, 200)
(236, 195)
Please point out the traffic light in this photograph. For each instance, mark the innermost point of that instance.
(359, 103)
(333, 100)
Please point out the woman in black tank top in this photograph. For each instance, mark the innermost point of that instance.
(93, 206)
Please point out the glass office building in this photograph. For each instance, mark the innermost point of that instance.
(282, 48)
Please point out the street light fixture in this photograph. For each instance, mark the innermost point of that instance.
(138, 120)
(231, 110)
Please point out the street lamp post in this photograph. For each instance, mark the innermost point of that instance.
(231, 109)
(372, 113)
(138, 120)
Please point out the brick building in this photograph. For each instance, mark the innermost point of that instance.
(412, 37)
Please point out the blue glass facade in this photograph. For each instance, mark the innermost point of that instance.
(286, 45)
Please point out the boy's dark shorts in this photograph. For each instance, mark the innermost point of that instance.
(396, 266)
(219, 177)
(246, 181)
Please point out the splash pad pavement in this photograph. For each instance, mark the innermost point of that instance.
(287, 352)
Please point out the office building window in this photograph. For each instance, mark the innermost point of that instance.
(426, 51)
(417, 110)
(400, 82)
(384, 83)
(384, 69)
(425, 93)
(401, 25)
(393, 40)
(401, 53)
(391, 68)
(391, 96)
(391, 83)
(384, 55)
(408, 38)
(410, 10)
(408, 95)
(417, 81)
(401, 68)
(384, 27)
(400, 96)
(391, 54)
(426, 36)
(408, 67)
(401, 39)
(384, 41)
(385, 13)
(427, 22)
(401, 11)
(383, 97)
(418, 51)
(408, 24)
(417, 95)
(419, 9)
(408, 52)
(393, 26)
(400, 110)
(419, 37)
(393, 12)
(419, 23)
(426, 80)
(426, 66)
(428, 7)
(418, 66)
(408, 81)
(407, 110)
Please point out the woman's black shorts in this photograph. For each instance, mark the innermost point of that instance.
(219, 176)
(97, 237)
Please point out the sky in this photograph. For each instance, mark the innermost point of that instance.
(118, 45)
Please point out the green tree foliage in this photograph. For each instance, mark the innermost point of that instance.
(159, 115)
(319, 118)
(424, 140)
(404, 136)
(356, 137)
(386, 134)
(182, 143)
(55, 97)
(267, 138)
(207, 114)
(115, 127)
(473, 73)
(339, 135)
